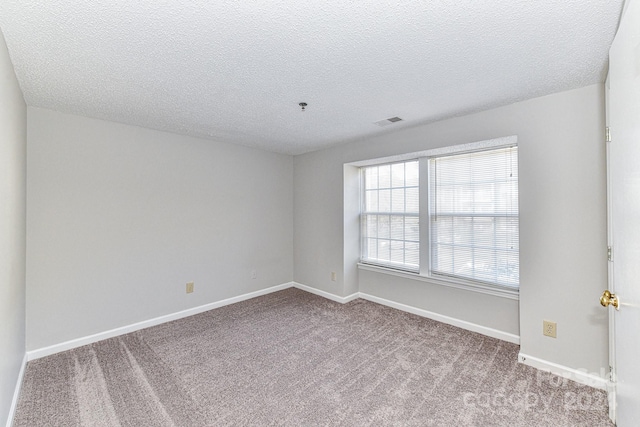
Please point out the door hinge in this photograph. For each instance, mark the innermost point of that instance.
(609, 253)
(607, 134)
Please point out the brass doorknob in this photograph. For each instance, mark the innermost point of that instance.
(608, 299)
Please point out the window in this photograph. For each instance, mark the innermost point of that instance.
(469, 221)
(473, 216)
(389, 215)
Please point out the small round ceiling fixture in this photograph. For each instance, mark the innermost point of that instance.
(303, 105)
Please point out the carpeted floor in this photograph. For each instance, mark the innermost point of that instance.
(295, 359)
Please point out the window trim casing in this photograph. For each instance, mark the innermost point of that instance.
(390, 265)
(479, 287)
(424, 273)
(427, 217)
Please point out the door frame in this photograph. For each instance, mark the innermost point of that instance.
(611, 384)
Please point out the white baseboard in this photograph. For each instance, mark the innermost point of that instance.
(578, 375)
(494, 333)
(16, 393)
(79, 342)
(327, 295)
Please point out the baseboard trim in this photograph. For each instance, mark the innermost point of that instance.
(16, 393)
(578, 375)
(473, 327)
(327, 295)
(79, 342)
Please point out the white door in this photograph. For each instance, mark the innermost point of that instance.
(624, 175)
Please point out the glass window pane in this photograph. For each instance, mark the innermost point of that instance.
(371, 200)
(384, 250)
(411, 229)
(371, 178)
(384, 226)
(372, 248)
(372, 225)
(397, 175)
(384, 176)
(412, 201)
(411, 174)
(397, 252)
(397, 200)
(412, 254)
(384, 201)
(397, 227)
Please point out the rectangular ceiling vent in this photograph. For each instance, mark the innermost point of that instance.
(388, 121)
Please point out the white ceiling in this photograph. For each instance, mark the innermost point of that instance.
(236, 70)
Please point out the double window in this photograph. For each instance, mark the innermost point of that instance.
(471, 223)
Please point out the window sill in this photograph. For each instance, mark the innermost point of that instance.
(487, 289)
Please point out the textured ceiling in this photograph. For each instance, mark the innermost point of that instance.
(236, 70)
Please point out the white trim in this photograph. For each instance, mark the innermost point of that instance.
(496, 291)
(612, 397)
(327, 295)
(78, 342)
(581, 376)
(473, 327)
(68, 345)
(16, 393)
(460, 148)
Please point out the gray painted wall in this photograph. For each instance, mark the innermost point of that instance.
(562, 223)
(119, 218)
(13, 146)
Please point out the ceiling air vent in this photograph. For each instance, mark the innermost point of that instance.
(388, 121)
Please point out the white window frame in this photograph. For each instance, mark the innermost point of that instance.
(506, 212)
(364, 255)
(424, 273)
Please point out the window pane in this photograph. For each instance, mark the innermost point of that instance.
(371, 198)
(397, 175)
(384, 200)
(384, 250)
(371, 178)
(397, 252)
(412, 254)
(411, 229)
(384, 176)
(397, 227)
(411, 174)
(372, 225)
(397, 200)
(412, 202)
(372, 248)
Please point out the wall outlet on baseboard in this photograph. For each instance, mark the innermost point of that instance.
(333, 276)
(549, 328)
(189, 287)
(254, 274)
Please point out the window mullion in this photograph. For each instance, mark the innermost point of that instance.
(424, 222)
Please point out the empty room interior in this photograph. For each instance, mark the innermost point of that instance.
(290, 213)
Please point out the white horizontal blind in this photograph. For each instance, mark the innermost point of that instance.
(389, 218)
(473, 216)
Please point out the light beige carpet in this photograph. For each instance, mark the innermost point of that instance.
(294, 359)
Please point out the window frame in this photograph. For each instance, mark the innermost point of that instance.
(424, 273)
(431, 270)
(364, 213)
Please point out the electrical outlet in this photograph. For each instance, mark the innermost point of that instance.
(254, 274)
(189, 287)
(333, 276)
(549, 328)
